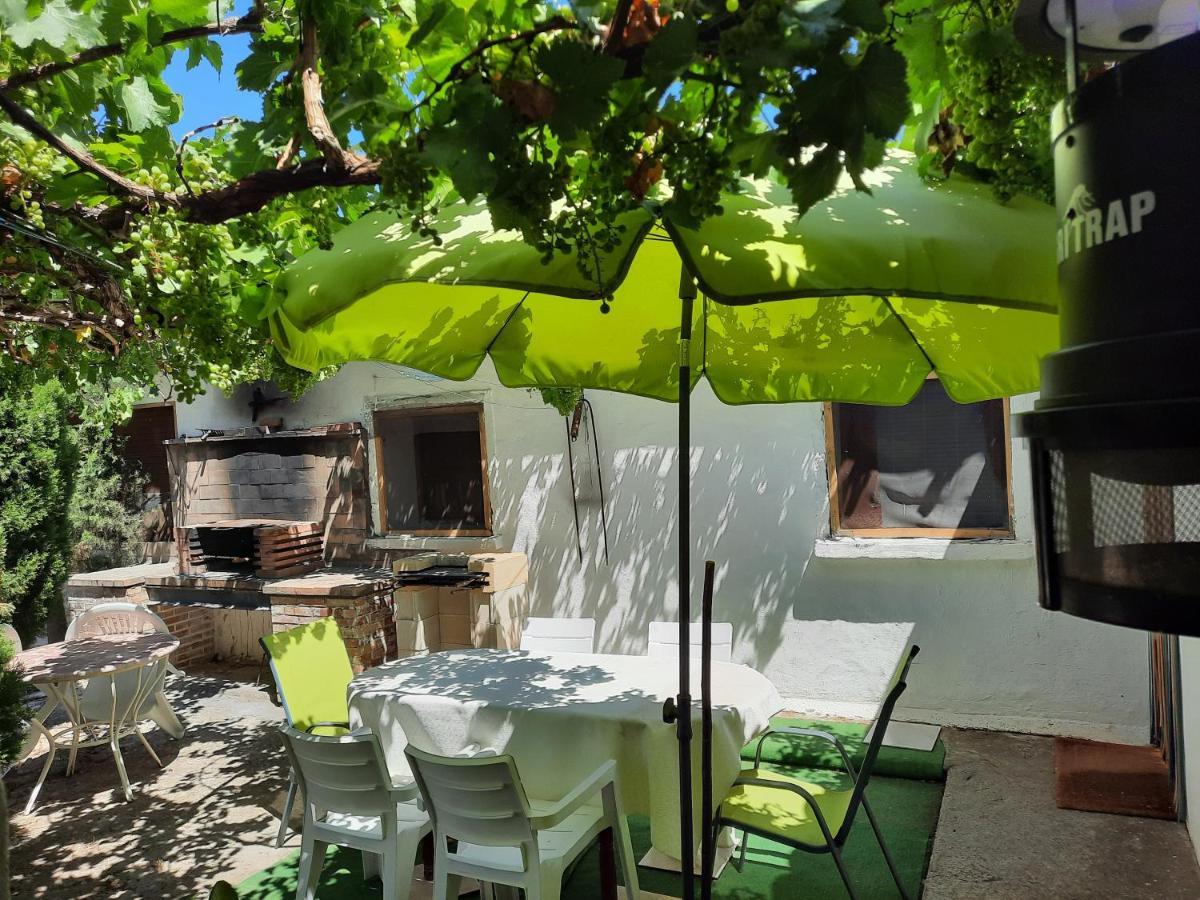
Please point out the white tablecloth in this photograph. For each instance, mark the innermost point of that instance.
(562, 714)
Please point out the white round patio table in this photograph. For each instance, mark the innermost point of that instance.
(559, 715)
(59, 668)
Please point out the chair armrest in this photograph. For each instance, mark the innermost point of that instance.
(405, 789)
(604, 775)
(807, 732)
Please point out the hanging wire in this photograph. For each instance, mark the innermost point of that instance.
(599, 473)
(27, 229)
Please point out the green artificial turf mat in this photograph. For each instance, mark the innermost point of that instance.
(807, 752)
(907, 810)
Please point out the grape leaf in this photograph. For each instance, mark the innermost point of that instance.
(671, 51)
(59, 25)
(583, 78)
(865, 14)
(142, 110)
(816, 179)
(883, 88)
(426, 27)
(923, 44)
(204, 49)
(185, 12)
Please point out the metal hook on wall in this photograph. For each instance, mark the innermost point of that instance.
(574, 424)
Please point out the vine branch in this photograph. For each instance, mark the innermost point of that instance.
(140, 192)
(314, 105)
(251, 22)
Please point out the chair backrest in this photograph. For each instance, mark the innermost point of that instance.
(664, 640)
(344, 773)
(312, 672)
(895, 689)
(561, 635)
(115, 618)
(476, 799)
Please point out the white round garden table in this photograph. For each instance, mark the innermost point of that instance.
(60, 668)
(560, 715)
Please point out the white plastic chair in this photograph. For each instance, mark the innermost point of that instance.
(559, 635)
(664, 640)
(96, 699)
(350, 801)
(503, 837)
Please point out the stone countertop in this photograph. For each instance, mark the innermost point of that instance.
(357, 582)
(341, 582)
(123, 577)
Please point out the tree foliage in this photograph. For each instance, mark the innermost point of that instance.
(38, 456)
(107, 507)
(561, 115)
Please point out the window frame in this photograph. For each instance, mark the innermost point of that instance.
(410, 412)
(965, 534)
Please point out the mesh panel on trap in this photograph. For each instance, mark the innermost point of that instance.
(1126, 518)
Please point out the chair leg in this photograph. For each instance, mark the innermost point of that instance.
(841, 867)
(114, 741)
(891, 863)
(288, 803)
(397, 872)
(608, 865)
(45, 766)
(406, 848)
(312, 860)
(372, 865)
(615, 815)
(74, 751)
(149, 749)
(445, 885)
(427, 857)
(40, 717)
(164, 717)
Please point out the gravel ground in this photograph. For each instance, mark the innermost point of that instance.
(210, 812)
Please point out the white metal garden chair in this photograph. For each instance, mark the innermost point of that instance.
(504, 838)
(96, 699)
(664, 640)
(350, 801)
(559, 635)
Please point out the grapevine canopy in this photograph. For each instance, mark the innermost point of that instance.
(134, 251)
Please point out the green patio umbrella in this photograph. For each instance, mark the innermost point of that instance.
(857, 301)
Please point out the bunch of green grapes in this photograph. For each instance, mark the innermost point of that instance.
(1003, 99)
(26, 167)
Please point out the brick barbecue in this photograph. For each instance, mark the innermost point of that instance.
(271, 532)
(270, 548)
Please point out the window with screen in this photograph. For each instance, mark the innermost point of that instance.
(432, 471)
(931, 468)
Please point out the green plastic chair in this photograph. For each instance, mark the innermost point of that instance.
(807, 816)
(312, 672)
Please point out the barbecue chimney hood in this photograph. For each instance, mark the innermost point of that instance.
(1115, 437)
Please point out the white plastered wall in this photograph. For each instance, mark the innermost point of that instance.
(990, 656)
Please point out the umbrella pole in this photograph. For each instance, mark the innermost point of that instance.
(708, 837)
(683, 703)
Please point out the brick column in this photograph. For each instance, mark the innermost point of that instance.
(360, 600)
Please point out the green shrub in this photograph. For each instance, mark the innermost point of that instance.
(38, 458)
